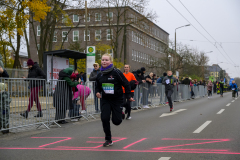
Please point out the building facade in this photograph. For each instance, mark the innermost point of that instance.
(132, 38)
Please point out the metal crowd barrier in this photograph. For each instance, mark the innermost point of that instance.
(56, 102)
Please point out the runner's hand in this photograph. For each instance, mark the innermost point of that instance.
(98, 95)
(1, 70)
(131, 100)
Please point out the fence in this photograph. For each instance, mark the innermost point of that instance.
(37, 102)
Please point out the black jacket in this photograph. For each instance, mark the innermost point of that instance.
(93, 75)
(138, 78)
(186, 81)
(4, 74)
(36, 72)
(116, 78)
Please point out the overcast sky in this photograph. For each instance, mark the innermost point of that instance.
(220, 18)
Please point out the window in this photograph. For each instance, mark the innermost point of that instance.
(110, 16)
(88, 35)
(137, 56)
(98, 35)
(64, 36)
(110, 51)
(88, 18)
(132, 36)
(75, 35)
(64, 19)
(109, 34)
(97, 16)
(55, 36)
(38, 30)
(132, 55)
(24, 64)
(132, 17)
(75, 18)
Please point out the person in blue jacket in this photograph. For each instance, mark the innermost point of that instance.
(234, 88)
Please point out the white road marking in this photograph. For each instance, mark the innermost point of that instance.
(202, 127)
(228, 104)
(220, 111)
(233, 101)
(172, 113)
(164, 158)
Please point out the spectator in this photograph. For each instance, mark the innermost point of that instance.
(4, 103)
(35, 72)
(140, 81)
(144, 90)
(234, 88)
(186, 81)
(93, 77)
(83, 96)
(159, 80)
(63, 89)
(150, 82)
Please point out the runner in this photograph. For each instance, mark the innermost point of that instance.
(209, 88)
(131, 78)
(169, 81)
(109, 82)
(234, 88)
(221, 87)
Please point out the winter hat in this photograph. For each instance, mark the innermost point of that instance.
(143, 69)
(139, 71)
(73, 76)
(30, 62)
(164, 74)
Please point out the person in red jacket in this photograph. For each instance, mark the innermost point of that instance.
(126, 102)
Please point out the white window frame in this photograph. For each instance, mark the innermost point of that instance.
(88, 18)
(75, 36)
(88, 35)
(109, 52)
(137, 56)
(132, 36)
(64, 20)
(55, 36)
(107, 14)
(25, 64)
(98, 34)
(38, 30)
(96, 17)
(109, 34)
(65, 36)
(74, 18)
(133, 55)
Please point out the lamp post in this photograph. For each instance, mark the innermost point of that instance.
(176, 36)
(169, 56)
(86, 33)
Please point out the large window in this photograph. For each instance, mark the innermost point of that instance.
(110, 51)
(38, 30)
(75, 36)
(133, 55)
(88, 18)
(109, 34)
(88, 35)
(98, 35)
(64, 36)
(110, 16)
(97, 16)
(55, 36)
(75, 18)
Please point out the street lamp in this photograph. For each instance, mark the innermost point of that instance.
(169, 56)
(176, 36)
(209, 52)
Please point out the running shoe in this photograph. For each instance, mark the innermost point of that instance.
(146, 106)
(83, 111)
(123, 115)
(74, 120)
(128, 118)
(108, 143)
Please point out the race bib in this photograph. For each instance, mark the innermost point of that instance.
(167, 81)
(108, 88)
(233, 89)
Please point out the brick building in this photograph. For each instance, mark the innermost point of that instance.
(142, 46)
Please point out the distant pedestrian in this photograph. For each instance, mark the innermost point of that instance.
(34, 72)
(209, 88)
(234, 88)
(221, 87)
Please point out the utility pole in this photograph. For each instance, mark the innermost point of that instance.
(86, 33)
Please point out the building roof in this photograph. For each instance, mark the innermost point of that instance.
(66, 54)
(214, 68)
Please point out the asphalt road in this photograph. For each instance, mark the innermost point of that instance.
(193, 131)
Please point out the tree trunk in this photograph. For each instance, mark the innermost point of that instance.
(26, 37)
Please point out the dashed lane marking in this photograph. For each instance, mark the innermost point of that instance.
(172, 113)
(202, 127)
(164, 158)
(220, 111)
(233, 101)
(228, 104)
